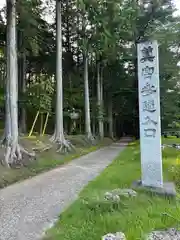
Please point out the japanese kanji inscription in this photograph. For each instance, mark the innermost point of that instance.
(149, 113)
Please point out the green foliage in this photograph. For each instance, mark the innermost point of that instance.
(172, 160)
(175, 125)
(108, 32)
(39, 95)
(100, 113)
(2, 97)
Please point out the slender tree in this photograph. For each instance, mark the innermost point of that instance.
(100, 100)
(87, 101)
(58, 136)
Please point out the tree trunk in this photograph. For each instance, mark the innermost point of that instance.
(100, 101)
(11, 130)
(87, 101)
(22, 80)
(94, 126)
(110, 119)
(7, 137)
(59, 91)
(58, 136)
(13, 149)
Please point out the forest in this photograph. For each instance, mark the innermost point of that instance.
(70, 67)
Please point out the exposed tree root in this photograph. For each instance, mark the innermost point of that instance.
(90, 139)
(41, 147)
(63, 145)
(52, 139)
(15, 155)
(3, 140)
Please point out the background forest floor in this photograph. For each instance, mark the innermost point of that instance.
(90, 217)
(45, 160)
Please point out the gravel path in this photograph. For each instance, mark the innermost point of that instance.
(30, 207)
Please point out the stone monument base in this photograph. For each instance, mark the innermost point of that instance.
(168, 188)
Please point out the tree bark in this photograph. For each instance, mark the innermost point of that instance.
(58, 136)
(87, 101)
(102, 105)
(7, 137)
(13, 149)
(100, 101)
(11, 127)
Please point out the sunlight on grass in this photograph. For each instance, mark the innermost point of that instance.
(90, 217)
(178, 160)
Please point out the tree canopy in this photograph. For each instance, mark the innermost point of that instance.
(106, 32)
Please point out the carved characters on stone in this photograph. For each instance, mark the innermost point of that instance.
(148, 121)
(150, 132)
(149, 112)
(149, 106)
(148, 89)
(147, 54)
(147, 72)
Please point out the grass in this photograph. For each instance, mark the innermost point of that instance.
(46, 160)
(90, 217)
(171, 140)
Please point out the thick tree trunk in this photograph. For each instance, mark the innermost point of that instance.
(100, 101)
(13, 149)
(13, 75)
(11, 128)
(87, 101)
(58, 136)
(7, 137)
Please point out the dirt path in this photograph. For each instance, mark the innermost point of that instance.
(30, 207)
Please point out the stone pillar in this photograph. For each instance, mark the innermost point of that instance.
(149, 114)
